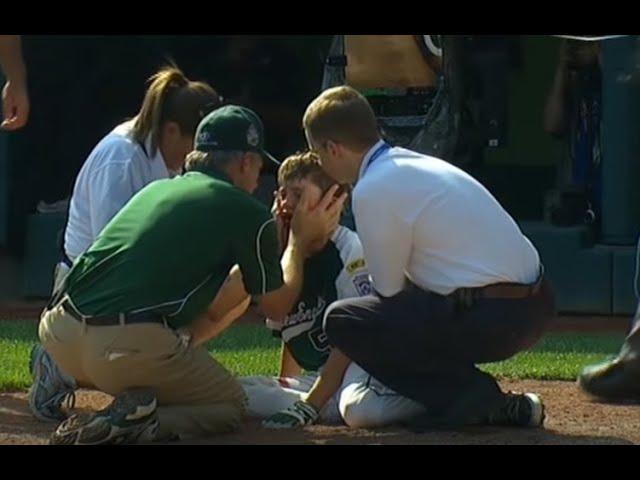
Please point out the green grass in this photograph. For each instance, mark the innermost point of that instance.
(250, 350)
(16, 339)
(558, 357)
(247, 350)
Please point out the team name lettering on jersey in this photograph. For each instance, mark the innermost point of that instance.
(305, 314)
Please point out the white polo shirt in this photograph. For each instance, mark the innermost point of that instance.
(421, 218)
(117, 168)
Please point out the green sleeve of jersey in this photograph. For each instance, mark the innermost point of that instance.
(259, 259)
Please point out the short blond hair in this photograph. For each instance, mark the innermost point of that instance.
(303, 165)
(343, 115)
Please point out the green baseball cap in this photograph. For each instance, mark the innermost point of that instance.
(232, 128)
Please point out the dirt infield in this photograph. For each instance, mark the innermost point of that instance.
(572, 419)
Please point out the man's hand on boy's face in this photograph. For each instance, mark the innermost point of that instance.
(282, 217)
(281, 207)
(313, 227)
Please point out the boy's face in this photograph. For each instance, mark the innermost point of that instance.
(291, 193)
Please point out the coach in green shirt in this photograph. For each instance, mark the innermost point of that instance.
(136, 307)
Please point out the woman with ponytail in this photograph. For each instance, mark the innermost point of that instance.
(151, 146)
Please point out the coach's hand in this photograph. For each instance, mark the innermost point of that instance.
(282, 216)
(312, 227)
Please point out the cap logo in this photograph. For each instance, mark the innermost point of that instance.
(204, 138)
(253, 138)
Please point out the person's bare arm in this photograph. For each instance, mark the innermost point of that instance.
(278, 303)
(307, 410)
(229, 304)
(330, 379)
(233, 300)
(288, 365)
(15, 98)
(307, 225)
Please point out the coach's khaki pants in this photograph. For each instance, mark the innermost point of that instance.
(196, 395)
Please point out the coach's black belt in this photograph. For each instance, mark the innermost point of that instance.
(111, 320)
(505, 291)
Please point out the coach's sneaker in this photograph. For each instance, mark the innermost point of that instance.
(130, 418)
(50, 388)
(519, 410)
(615, 380)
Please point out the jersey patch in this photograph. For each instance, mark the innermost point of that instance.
(362, 284)
(355, 265)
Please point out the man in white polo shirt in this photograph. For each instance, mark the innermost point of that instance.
(456, 281)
